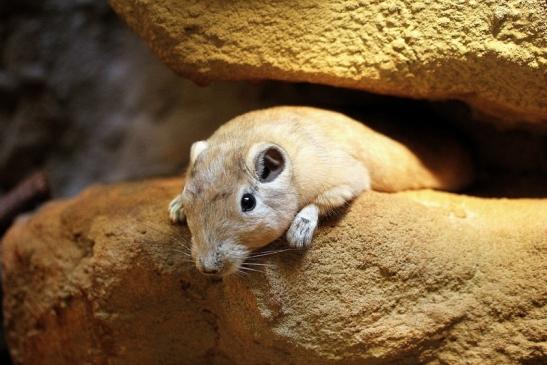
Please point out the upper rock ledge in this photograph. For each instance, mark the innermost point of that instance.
(417, 277)
(491, 54)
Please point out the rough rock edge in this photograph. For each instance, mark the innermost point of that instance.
(498, 76)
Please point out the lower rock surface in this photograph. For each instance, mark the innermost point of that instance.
(415, 277)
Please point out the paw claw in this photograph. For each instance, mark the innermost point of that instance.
(300, 233)
(176, 211)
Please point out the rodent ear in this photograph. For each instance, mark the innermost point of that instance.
(196, 149)
(269, 163)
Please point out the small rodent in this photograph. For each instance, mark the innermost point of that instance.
(277, 170)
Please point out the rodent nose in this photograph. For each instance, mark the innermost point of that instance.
(210, 270)
(209, 267)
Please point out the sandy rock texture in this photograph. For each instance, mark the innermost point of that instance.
(421, 277)
(491, 54)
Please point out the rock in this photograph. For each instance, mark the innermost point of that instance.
(416, 277)
(491, 54)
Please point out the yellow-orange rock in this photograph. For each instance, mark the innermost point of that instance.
(418, 277)
(491, 54)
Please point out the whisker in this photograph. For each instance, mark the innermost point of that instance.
(183, 253)
(180, 249)
(268, 253)
(240, 274)
(186, 255)
(244, 268)
(258, 264)
(189, 257)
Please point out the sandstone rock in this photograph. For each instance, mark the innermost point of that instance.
(491, 54)
(399, 278)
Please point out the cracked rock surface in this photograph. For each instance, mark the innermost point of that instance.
(415, 277)
(491, 54)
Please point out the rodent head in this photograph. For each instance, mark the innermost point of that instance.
(237, 198)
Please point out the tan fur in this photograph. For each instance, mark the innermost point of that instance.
(331, 159)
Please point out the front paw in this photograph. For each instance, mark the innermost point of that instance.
(300, 233)
(176, 210)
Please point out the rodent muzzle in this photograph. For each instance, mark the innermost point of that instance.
(209, 265)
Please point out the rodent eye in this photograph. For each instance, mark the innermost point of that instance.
(248, 202)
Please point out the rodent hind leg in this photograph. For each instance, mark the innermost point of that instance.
(351, 180)
(336, 197)
(176, 210)
(303, 226)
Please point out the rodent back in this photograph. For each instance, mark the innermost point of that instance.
(322, 143)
